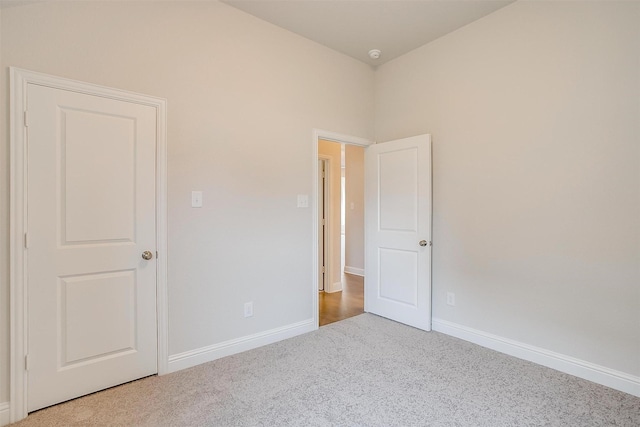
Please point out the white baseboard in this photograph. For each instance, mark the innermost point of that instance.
(4, 413)
(227, 348)
(354, 270)
(560, 362)
(336, 287)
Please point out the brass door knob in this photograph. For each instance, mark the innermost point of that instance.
(147, 255)
(422, 243)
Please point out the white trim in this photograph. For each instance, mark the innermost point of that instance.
(162, 289)
(238, 345)
(19, 79)
(336, 287)
(342, 139)
(17, 264)
(4, 413)
(560, 362)
(327, 206)
(354, 270)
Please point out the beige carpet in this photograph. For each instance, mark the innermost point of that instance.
(363, 371)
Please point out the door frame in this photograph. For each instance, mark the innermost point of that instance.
(326, 207)
(19, 80)
(326, 135)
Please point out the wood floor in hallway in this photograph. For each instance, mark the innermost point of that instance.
(342, 305)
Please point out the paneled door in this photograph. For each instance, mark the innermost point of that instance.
(398, 230)
(91, 243)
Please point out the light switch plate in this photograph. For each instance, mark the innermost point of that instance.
(196, 199)
(303, 200)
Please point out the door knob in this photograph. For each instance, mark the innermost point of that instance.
(422, 243)
(147, 255)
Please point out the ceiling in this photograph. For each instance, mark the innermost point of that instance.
(354, 27)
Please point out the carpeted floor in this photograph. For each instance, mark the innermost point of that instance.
(363, 371)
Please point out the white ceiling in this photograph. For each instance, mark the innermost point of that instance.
(354, 27)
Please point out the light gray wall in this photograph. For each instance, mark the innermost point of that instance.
(535, 117)
(243, 98)
(354, 218)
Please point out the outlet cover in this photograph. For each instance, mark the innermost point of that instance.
(451, 298)
(303, 200)
(196, 199)
(248, 309)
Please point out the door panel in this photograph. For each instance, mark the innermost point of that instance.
(398, 177)
(398, 276)
(91, 213)
(87, 303)
(397, 218)
(86, 165)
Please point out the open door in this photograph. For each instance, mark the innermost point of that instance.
(398, 230)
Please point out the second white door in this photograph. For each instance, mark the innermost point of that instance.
(398, 230)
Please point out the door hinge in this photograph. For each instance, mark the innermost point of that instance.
(323, 269)
(26, 119)
(26, 362)
(26, 240)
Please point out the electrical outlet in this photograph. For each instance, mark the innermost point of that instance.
(451, 298)
(248, 309)
(303, 200)
(196, 199)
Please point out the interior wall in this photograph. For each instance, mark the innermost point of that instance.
(535, 117)
(354, 221)
(333, 151)
(243, 98)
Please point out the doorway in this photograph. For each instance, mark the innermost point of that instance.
(397, 227)
(340, 230)
(88, 277)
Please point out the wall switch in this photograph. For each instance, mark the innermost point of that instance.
(303, 200)
(196, 199)
(248, 309)
(451, 298)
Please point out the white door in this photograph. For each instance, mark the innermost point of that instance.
(91, 214)
(398, 230)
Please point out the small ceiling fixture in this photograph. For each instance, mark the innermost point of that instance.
(374, 53)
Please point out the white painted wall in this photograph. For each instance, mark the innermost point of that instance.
(354, 226)
(243, 98)
(535, 117)
(332, 150)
